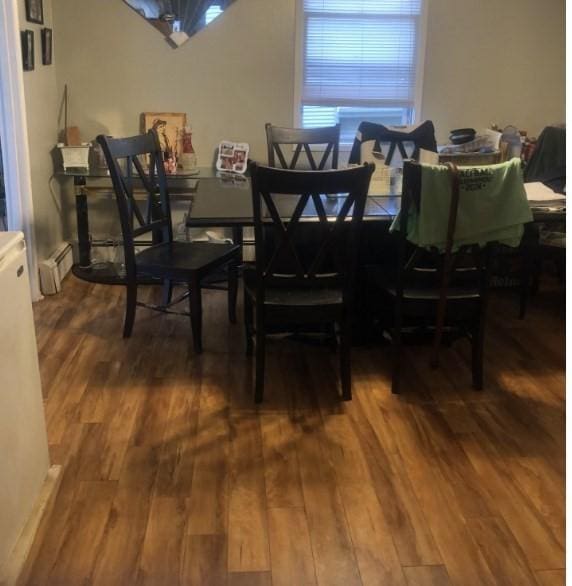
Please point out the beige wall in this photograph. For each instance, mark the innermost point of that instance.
(494, 61)
(42, 112)
(486, 61)
(230, 79)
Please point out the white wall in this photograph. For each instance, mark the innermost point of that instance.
(42, 113)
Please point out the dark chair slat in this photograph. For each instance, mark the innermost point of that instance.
(304, 139)
(287, 293)
(171, 262)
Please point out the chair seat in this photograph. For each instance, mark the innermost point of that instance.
(293, 297)
(434, 294)
(179, 259)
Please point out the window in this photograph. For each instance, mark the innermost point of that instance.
(212, 12)
(360, 60)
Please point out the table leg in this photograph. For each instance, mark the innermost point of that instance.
(238, 239)
(83, 238)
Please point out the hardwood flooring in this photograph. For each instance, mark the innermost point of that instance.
(172, 475)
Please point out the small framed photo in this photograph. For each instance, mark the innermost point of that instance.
(35, 11)
(169, 127)
(28, 50)
(47, 46)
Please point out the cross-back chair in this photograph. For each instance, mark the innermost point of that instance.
(421, 137)
(303, 139)
(167, 260)
(443, 291)
(313, 288)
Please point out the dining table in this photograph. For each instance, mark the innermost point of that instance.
(220, 200)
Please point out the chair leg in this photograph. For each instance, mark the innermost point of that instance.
(345, 359)
(167, 291)
(396, 368)
(130, 308)
(195, 305)
(477, 355)
(396, 344)
(232, 291)
(248, 317)
(260, 357)
(525, 287)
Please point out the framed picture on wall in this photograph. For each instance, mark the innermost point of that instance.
(47, 46)
(28, 50)
(35, 11)
(169, 127)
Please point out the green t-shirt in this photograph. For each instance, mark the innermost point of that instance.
(492, 206)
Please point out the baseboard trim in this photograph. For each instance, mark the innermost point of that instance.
(18, 565)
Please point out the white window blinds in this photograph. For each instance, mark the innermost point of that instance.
(359, 60)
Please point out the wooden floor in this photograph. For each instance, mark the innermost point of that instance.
(173, 477)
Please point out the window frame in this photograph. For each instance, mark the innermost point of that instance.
(299, 66)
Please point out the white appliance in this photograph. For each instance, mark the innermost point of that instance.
(23, 440)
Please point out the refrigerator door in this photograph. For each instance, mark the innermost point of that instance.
(23, 441)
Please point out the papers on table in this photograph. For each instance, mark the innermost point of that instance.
(541, 196)
(428, 157)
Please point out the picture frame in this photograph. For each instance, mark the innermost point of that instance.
(28, 50)
(46, 46)
(35, 11)
(169, 127)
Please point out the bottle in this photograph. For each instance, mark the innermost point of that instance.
(188, 156)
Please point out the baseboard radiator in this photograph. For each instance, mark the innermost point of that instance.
(55, 268)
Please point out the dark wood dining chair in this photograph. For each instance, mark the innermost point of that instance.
(169, 261)
(286, 287)
(440, 292)
(420, 137)
(314, 142)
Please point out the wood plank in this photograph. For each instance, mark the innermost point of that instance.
(98, 398)
(375, 550)
(208, 502)
(427, 576)
(281, 473)
(551, 577)
(461, 556)
(162, 549)
(127, 523)
(249, 579)
(453, 463)
(177, 461)
(334, 557)
(501, 551)
(405, 518)
(446, 474)
(248, 546)
(86, 524)
(290, 548)
(204, 560)
(541, 548)
(104, 444)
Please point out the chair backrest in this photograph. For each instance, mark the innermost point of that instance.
(280, 198)
(464, 266)
(421, 137)
(303, 139)
(127, 159)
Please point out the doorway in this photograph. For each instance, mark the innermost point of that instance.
(16, 195)
(3, 218)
